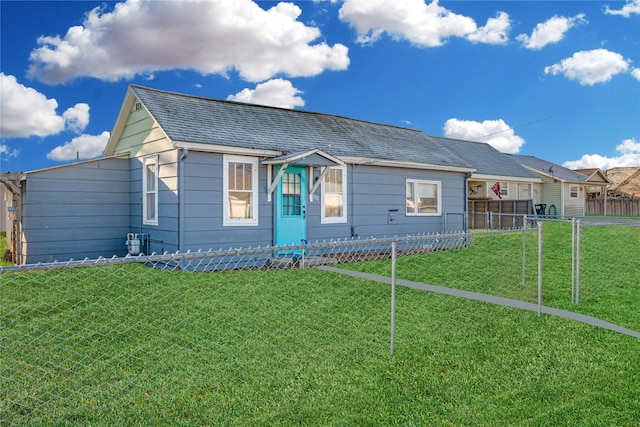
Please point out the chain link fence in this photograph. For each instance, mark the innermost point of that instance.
(101, 341)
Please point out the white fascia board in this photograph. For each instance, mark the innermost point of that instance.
(401, 164)
(481, 177)
(225, 149)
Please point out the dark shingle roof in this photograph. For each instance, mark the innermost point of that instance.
(544, 167)
(193, 119)
(486, 159)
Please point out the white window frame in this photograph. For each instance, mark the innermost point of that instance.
(146, 162)
(504, 189)
(573, 194)
(335, 219)
(226, 218)
(438, 185)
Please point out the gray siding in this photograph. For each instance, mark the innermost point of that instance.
(76, 211)
(375, 191)
(202, 226)
(372, 192)
(164, 236)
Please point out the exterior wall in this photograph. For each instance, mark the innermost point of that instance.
(164, 236)
(202, 194)
(482, 190)
(142, 137)
(75, 211)
(371, 193)
(552, 195)
(573, 206)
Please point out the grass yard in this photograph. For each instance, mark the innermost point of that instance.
(136, 346)
(3, 245)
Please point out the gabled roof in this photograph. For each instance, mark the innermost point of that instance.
(187, 119)
(548, 169)
(488, 162)
(594, 175)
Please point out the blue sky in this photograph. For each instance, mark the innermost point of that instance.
(559, 80)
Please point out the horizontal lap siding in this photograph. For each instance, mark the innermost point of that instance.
(77, 211)
(164, 236)
(374, 191)
(203, 210)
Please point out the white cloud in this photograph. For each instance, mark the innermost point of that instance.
(496, 31)
(629, 156)
(80, 147)
(77, 117)
(8, 151)
(636, 73)
(590, 66)
(276, 93)
(627, 10)
(424, 24)
(494, 132)
(550, 31)
(140, 37)
(27, 112)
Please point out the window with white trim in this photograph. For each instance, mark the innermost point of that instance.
(423, 198)
(573, 191)
(150, 190)
(504, 189)
(334, 196)
(240, 184)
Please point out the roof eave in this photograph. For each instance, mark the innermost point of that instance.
(403, 164)
(225, 149)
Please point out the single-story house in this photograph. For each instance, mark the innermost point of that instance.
(597, 176)
(562, 191)
(499, 184)
(187, 173)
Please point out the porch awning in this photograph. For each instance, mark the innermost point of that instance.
(314, 158)
(311, 158)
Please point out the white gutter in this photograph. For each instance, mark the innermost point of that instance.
(224, 149)
(402, 164)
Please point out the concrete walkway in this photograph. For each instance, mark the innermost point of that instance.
(594, 321)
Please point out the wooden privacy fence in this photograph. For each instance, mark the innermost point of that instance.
(615, 206)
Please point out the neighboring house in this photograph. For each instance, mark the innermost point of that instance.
(625, 181)
(187, 173)
(562, 191)
(599, 180)
(499, 184)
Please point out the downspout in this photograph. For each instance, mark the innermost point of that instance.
(181, 198)
(465, 197)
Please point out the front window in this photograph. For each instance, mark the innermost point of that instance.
(334, 196)
(240, 190)
(423, 197)
(573, 190)
(150, 190)
(504, 189)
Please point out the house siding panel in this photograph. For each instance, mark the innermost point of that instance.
(76, 211)
(164, 236)
(203, 212)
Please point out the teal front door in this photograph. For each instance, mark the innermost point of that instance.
(291, 207)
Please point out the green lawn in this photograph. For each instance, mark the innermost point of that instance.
(3, 245)
(131, 345)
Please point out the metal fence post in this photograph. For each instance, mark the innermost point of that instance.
(578, 238)
(573, 260)
(394, 250)
(524, 252)
(539, 268)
